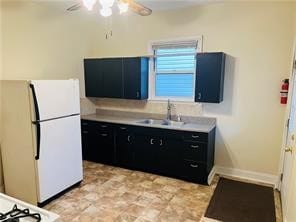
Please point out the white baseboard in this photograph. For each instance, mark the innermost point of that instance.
(211, 175)
(247, 175)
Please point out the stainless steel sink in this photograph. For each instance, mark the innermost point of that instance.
(151, 121)
(161, 122)
(172, 123)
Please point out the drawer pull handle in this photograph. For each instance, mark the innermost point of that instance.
(84, 124)
(195, 136)
(104, 134)
(85, 131)
(194, 146)
(151, 141)
(129, 138)
(161, 142)
(123, 128)
(103, 126)
(194, 165)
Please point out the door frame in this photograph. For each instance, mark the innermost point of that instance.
(286, 120)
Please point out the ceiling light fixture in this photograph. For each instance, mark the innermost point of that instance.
(107, 3)
(89, 4)
(123, 7)
(106, 11)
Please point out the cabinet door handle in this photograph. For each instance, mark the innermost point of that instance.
(195, 136)
(129, 138)
(104, 134)
(194, 165)
(194, 146)
(85, 131)
(103, 126)
(160, 142)
(123, 128)
(151, 141)
(199, 96)
(138, 94)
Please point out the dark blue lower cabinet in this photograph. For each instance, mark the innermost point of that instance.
(145, 153)
(169, 157)
(182, 155)
(97, 142)
(124, 152)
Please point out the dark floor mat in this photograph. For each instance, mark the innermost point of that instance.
(235, 201)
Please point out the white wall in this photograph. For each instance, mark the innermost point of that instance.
(39, 42)
(258, 38)
(43, 41)
(1, 179)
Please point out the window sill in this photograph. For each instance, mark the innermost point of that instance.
(173, 100)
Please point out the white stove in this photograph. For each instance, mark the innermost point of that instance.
(13, 210)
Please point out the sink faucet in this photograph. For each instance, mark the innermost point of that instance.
(169, 114)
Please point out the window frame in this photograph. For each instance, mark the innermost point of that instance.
(152, 73)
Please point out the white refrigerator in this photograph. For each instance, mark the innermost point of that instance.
(41, 149)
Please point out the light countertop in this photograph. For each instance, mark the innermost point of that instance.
(198, 124)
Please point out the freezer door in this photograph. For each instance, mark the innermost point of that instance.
(60, 161)
(56, 98)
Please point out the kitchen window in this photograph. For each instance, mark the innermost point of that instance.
(173, 70)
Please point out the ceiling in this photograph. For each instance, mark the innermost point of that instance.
(172, 4)
(153, 4)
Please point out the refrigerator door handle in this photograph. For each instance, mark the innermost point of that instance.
(37, 124)
(37, 121)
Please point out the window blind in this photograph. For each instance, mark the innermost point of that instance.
(174, 70)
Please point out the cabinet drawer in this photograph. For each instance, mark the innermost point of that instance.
(195, 136)
(194, 171)
(102, 126)
(195, 151)
(85, 124)
(104, 135)
(85, 131)
(123, 128)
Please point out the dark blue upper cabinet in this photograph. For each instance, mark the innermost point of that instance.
(125, 78)
(112, 72)
(93, 77)
(210, 68)
(135, 78)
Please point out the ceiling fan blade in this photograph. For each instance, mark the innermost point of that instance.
(74, 7)
(138, 8)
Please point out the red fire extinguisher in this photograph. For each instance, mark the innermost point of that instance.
(284, 91)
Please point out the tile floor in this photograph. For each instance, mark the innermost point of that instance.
(115, 194)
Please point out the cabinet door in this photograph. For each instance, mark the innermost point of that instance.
(89, 146)
(124, 147)
(85, 144)
(112, 69)
(169, 157)
(93, 77)
(145, 153)
(104, 147)
(132, 78)
(209, 77)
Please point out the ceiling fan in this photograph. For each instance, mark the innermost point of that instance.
(106, 7)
